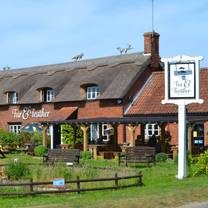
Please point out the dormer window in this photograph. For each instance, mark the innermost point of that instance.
(47, 95)
(93, 92)
(12, 97)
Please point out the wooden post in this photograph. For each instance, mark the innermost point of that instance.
(85, 139)
(190, 137)
(115, 137)
(142, 129)
(78, 185)
(162, 137)
(131, 129)
(94, 153)
(44, 136)
(140, 178)
(116, 181)
(74, 127)
(31, 185)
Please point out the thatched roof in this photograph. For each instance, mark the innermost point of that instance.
(114, 75)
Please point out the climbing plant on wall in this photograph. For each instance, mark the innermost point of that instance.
(72, 134)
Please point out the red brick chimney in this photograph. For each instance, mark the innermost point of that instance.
(151, 46)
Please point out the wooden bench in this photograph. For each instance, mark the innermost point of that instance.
(138, 154)
(62, 155)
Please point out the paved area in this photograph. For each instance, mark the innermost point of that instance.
(196, 205)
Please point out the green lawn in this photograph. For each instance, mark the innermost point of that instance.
(161, 189)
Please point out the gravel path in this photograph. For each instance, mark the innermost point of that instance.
(196, 205)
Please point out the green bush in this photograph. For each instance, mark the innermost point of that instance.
(161, 157)
(201, 166)
(86, 155)
(11, 140)
(72, 135)
(17, 170)
(40, 150)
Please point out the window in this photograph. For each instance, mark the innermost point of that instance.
(151, 129)
(104, 128)
(15, 128)
(94, 132)
(47, 95)
(12, 97)
(93, 92)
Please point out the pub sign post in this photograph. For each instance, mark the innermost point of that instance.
(182, 88)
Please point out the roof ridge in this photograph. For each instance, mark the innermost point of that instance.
(72, 64)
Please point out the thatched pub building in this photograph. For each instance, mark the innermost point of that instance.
(123, 92)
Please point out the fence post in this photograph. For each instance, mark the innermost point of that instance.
(116, 181)
(78, 185)
(140, 178)
(31, 185)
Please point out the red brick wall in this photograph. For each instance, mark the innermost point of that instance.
(90, 109)
(173, 129)
(93, 109)
(7, 116)
(206, 133)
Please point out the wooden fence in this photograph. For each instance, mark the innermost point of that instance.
(78, 182)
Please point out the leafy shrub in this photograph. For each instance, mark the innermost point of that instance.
(161, 157)
(10, 140)
(72, 135)
(36, 138)
(201, 166)
(40, 150)
(17, 170)
(86, 155)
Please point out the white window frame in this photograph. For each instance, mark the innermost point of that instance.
(12, 97)
(104, 127)
(93, 92)
(151, 129)
(94, 136)
(47, 95)
(15, 128)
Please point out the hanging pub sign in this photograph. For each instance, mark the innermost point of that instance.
(182, 80)
(182, 88)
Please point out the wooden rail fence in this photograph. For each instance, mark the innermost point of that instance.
(78, 182)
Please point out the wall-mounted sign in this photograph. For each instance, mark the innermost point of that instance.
(59, 182)
(182, 81)
(29, 112)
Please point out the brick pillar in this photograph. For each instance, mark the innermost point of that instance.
(85, 137)
(44, 128)
(131, 129)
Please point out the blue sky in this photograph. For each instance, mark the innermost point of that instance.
(39, 32)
